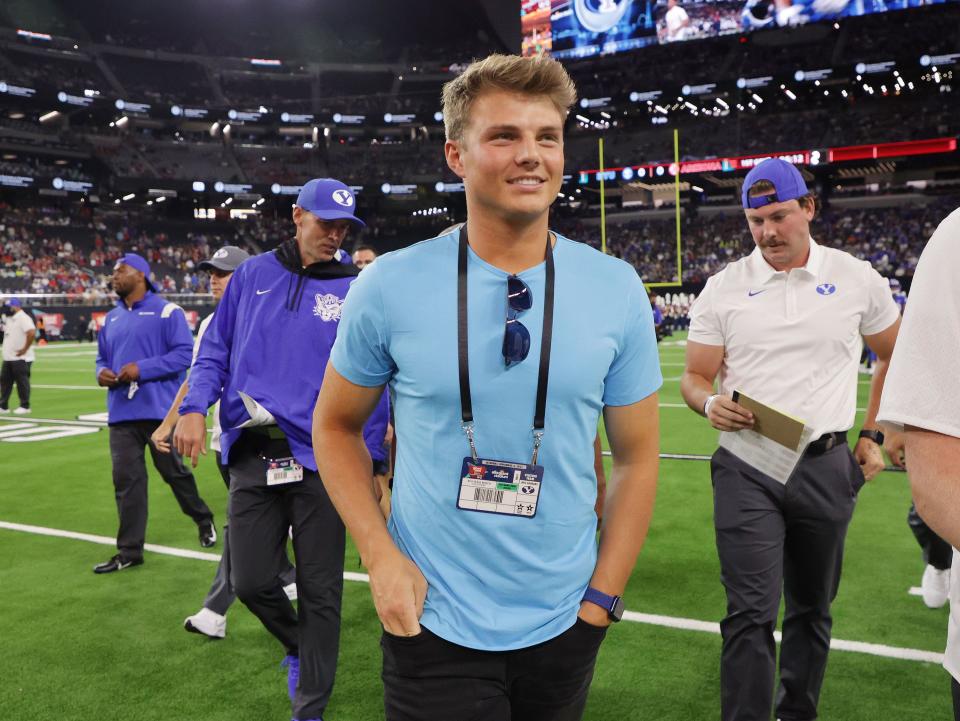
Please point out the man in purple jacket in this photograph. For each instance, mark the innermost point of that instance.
(143, 353)
(264, 356)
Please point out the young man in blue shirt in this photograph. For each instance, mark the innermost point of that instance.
(502, 343)
(263, 356)
(143, 352)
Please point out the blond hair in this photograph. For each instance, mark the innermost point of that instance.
(536, 75)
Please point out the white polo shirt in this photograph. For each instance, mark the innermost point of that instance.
(216, 431)
(15, 329)
(922, 387)
(793, 339)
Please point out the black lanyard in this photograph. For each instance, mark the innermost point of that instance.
(466, 403)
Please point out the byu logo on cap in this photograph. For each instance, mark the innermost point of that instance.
(343, 197)
(222, 253)
(826, 289)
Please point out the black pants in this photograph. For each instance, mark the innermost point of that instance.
(771, 536)
(221, 594)
(127, 441)
(936, 552)
(15, 372)
(955, 688)
(426, 678)
(259, 518)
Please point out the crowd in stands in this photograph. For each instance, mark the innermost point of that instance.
(72, 250)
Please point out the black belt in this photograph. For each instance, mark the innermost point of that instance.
(267, 441)
(827, 442)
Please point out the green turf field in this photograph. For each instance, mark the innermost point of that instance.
(76, 646)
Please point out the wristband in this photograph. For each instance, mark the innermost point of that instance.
(706, 404)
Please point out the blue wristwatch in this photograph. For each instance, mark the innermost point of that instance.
(613, 605)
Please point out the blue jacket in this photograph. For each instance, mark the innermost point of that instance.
(271, 338)
(153, 334)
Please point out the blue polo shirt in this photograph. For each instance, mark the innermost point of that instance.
(497, 582)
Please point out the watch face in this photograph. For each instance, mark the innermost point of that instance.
(616, 613)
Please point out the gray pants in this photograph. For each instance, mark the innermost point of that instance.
(127, 441)
(771, 536)
(936, 552)
(15, 372)
(221, 595)
(259, 518)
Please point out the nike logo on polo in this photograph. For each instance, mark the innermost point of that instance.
(752, 293)
(261, 292)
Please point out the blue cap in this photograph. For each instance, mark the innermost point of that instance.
(785, 177)
(329, 199)
(14, 302)
(137, 262)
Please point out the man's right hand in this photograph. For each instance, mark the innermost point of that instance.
(107, 378)
(190, 436)
(399, 590)
(726, 415)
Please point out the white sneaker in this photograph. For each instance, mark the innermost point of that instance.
(21, 411)
(207, 622)
(291, 590)
(935, 586)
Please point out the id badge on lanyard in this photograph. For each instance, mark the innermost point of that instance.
(506, 488)
(283, 470)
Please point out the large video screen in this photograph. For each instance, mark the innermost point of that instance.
(584, 28)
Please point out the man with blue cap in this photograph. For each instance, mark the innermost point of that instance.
(783, 326)
(143, 352)
(263, 356)
(19, 333)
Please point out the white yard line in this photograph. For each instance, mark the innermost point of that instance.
(683, 624)
(67, 388)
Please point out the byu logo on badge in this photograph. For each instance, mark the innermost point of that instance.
(327, 306)
(343, 197)
(826, 289)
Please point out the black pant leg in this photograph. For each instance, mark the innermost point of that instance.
(6, 383)
(127, 441)
(750, 532)
(180, 479)
(955, 689)
(21, 376)
(319, 542)
(820, 501)
(258, 537)
(427, 678)
(550, 681)
(936, 552)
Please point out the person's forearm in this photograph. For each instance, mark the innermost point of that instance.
(26, 347)
(631, 492)
(173, 413)
(344, 465)
(876, 390)
(695, 390)
(933, 460)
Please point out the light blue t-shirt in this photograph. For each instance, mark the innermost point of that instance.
(497, 582)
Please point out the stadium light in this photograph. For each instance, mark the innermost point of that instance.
(129, 196)
(52, 115)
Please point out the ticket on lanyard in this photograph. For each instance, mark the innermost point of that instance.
(502, 487)
(283, 470)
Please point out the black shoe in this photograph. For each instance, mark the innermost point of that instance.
(117, 563)
(208, 534)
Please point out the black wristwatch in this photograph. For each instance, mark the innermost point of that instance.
(875, 436)
(613, 605)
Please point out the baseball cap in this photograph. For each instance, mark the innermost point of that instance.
(786, 179)
(329, 199)
(14, 302)
(226, 259)
(137, 262)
